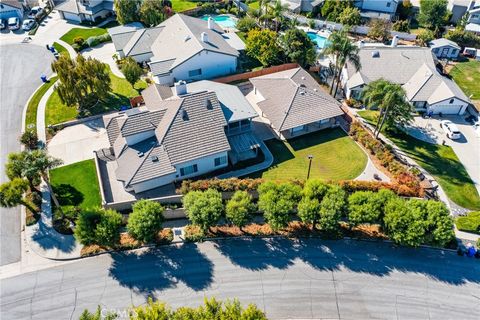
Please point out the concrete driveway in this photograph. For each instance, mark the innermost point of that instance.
(104, 53)
(467, 148)
(77, 143)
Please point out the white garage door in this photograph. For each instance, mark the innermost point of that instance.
(446, 109)
(71, 16)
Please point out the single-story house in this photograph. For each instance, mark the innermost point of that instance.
(413, 68)
(379, 9)
(473, 27)
(85, 10)
(294, 103)
(181, 48)
(298, 6)
(10, 9)
(444, 48)
(179, 133)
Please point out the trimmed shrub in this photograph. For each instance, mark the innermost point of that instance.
(367, 206)
(240, 208)
(204, 209)
(332, 209)
(221, 185)
(146, 220)
(96, 40)
(98, 226)
(79, 41)
(277, 201)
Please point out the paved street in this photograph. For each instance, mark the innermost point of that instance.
(20, 68)
(303, 280)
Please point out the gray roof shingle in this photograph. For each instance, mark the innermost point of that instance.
(293, 98)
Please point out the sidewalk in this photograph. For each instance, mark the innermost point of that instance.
(42, 106)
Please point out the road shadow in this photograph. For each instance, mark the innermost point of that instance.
(168, 263)
(373, 258)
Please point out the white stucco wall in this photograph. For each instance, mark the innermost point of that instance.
(379, 5)
(204, 165)
(136, 138)
(444, 107)
(154, 183)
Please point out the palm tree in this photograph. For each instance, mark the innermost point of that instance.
(343, 50)
(264, 12)
(277, 11)
(390, 99)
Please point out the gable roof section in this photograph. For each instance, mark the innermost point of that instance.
(293, 98)
(181, 39)
(442, 42)
(155, 94)
(141, 41)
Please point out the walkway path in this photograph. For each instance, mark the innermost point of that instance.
(41, 110)
(69, 48)
(370, 171)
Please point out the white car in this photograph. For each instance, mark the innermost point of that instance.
(28, 24)
(450, 129)
(35, 12)
(13, 23)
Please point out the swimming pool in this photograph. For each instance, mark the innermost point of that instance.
(319, 40)
(224, 21)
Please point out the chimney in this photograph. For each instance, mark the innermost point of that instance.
(394, 41)
(210, 23)
(180, 88)
(204, 37)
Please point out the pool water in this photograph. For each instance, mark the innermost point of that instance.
(320, 41)
(224, 21)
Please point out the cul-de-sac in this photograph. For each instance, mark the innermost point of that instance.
(239, 159)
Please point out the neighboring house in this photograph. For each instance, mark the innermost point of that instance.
(294, 103)
(471, 8)
(302, 5)
(11, 8)
(414, 69)
(458, 8)
(180, 133)
(85, 10)
(381, 9)
(180, 48)
(444, 48)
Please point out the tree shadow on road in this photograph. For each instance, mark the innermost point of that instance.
(373, 258)
(169, 264)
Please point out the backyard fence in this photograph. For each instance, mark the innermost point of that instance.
(247, 75)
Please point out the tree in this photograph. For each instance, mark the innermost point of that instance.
(246, 24)
(401, 26)
(390, 99)
(204, 209)
(404, 10)
(262, 45)
(153, 12)
(463, 38)
(107, 230)
(424, 37)
(298, 47)
(332, 9)
(433, 14)
(82, 81)
(98, 315)
(332, 208)
(131, 70)
(379, 29)
(404, 222)
(126, 10)
(367, 206)
(277, 201)
(240, 208)
(350, 16)
(440, 224)
(277, 10)
(29, 139)
(146, 220)
(343, 50)
(11, 194)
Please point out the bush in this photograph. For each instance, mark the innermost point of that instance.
(204, 209)
(424, 37)
(193, 233)
(469, 223)
(79, 41)
(332, 208)
(246, 24)
(131, 70)
(98, 226)
(221, 185)
(240, 208)
(368, 207)
(401, 26)
(463, 38)
(145, 221)
(309, 210)
(96, 40)
(277, 201)
(29, 139)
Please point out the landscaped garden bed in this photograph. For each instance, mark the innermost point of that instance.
(335, 157)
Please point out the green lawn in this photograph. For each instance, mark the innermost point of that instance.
(85, 33)
(77, 184)
(61, 49)
(182, 5)
(467, 76)
(122, 90)
(440, 161)
(469, 223)
(31, 116)
(335, 157)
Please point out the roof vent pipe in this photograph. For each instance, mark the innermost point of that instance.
(204, 37)
(210, 23)
(180, 87)
(394, 41)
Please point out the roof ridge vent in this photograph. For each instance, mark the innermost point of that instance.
(140, 154)
(208, 104)
(154, 158)
(184, 115)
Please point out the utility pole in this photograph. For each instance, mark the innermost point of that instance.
(310, 157)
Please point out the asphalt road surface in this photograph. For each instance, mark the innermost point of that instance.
(310, 279)
(20, 68)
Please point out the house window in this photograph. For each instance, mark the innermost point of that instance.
(323, 121)
(220, 161)
(185, 171)
(193, 73)
(454, 52)
(388, 4)
(435, 50)
(297, 129)
(451, 101)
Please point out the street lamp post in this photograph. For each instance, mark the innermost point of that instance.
(310, 157)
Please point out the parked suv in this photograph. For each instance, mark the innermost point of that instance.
(35, 12)
(28, 24)
(450, 129)
(13, 23)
